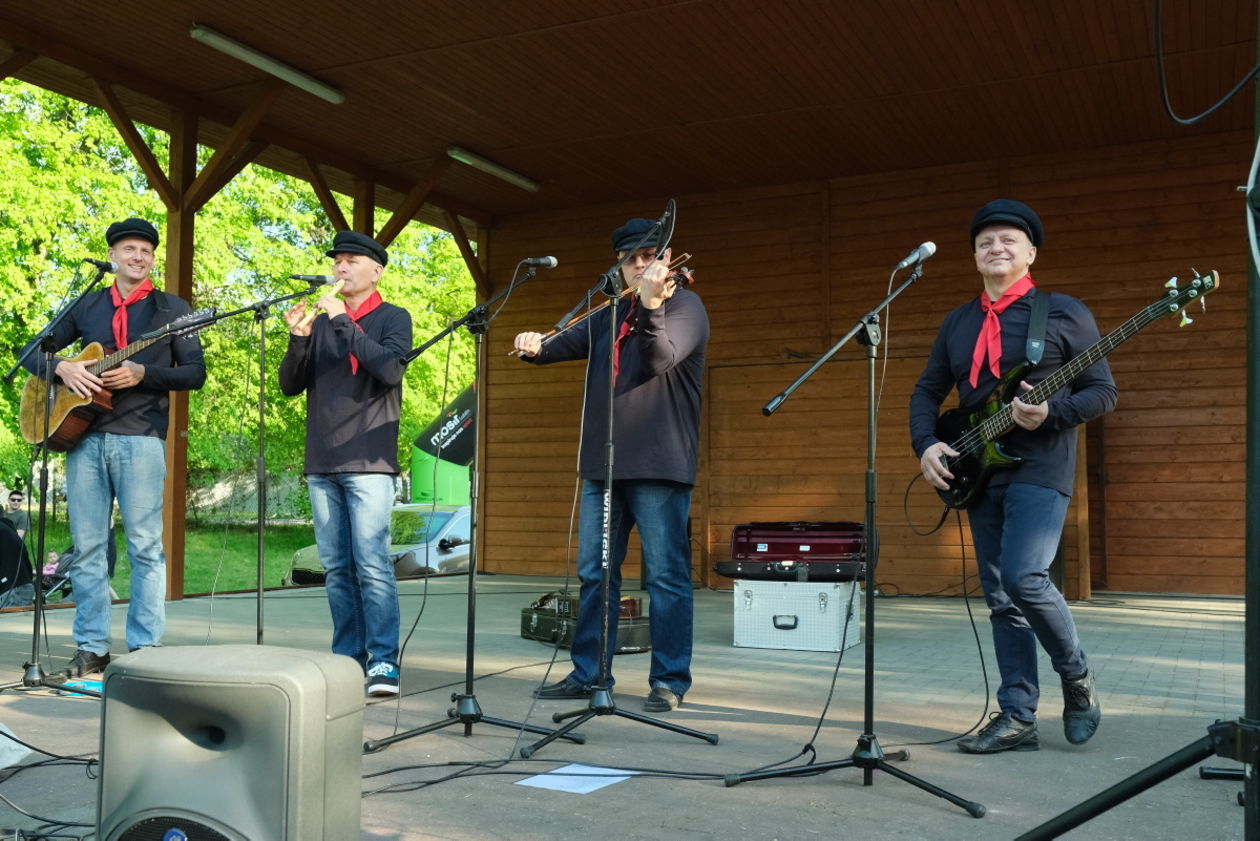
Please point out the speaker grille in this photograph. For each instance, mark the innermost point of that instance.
(164, 828)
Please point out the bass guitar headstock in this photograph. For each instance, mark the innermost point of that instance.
(1176, 300)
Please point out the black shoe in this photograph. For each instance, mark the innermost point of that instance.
(1003, 732)
(562, 689)
(1081, 710)
(661, 700)
(85, 662)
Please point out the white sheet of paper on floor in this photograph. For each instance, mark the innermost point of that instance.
(577, 779)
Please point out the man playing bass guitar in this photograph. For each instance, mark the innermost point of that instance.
(1017, 517)
(122, 455)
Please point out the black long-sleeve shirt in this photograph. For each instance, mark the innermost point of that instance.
(170, 364)
(656, 404)
(1048, 452)
(351, 419)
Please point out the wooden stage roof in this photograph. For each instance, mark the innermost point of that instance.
(610, 100)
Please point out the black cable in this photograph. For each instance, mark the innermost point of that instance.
(984, 670)
(1163, 80)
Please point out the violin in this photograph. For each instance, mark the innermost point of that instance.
(679, 274)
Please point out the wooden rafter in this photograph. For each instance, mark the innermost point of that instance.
(204, 187)
(325, 195)
(27, 40)
(412, 202)
(15, 62)
(228, 171)
(478, 272)
(139, 149)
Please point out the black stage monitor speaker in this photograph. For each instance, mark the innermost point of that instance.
(231, 743)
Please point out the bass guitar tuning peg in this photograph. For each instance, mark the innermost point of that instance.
(1185, 319)
(1172, 283)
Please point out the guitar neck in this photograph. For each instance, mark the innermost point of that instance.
(1002, 421)
(119, 356)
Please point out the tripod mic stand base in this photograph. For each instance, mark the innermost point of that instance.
(468, 712)
(868, 756)
(602, 704)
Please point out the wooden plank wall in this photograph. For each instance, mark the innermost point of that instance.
(785, 271)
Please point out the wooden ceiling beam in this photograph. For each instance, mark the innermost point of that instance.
(412, 202)
(241, 133)
(326, 198)
(24, 39)
(139, 148)
(478, 272)
(15, 62)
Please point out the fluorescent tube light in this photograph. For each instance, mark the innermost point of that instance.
(485, 165)
(243, 52)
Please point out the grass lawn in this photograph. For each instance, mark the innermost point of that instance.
(229, 553)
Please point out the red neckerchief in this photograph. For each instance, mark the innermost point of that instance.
(372, 302)
(623, 335)
(990, 338)
(120, 309)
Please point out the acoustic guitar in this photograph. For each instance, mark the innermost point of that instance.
(974, 433)
(70, 415)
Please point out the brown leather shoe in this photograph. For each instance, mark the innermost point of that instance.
(1003, 732)
(661, 700)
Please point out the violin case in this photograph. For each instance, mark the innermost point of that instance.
(796, 551)
(552, 619)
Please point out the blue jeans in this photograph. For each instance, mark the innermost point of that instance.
(352, 520)
(131, 469)
(1016, 529)
(660, 510)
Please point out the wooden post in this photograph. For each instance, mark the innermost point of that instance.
(180, 225)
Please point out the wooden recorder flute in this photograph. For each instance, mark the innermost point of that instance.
(314, 313)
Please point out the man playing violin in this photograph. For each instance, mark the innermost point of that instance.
(350, 366)
(1017, 519)
(123, 454)
(659, 362)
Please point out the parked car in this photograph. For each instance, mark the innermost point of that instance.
(424, 539)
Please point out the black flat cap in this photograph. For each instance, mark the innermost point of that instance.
(1007, 212)
(625, 237)
(133, 227)
(353, 242)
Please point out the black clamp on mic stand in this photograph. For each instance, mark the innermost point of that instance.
(601, 702)
(34, 674)
(867, 755)
(466, 710)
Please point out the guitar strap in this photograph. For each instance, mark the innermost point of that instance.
(1037, 327)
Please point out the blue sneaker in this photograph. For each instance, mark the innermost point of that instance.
(382, 680)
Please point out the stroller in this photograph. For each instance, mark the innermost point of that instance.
(55, 578)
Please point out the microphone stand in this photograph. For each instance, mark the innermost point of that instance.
(34, 674)
(601, 701)
(467, 711)
(867, 755)
(261, 310)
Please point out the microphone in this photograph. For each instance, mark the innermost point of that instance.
(313, 278)
(541, 262)
(920, 254)
(104, 265)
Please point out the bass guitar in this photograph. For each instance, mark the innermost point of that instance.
(974, 433)
(69, 414)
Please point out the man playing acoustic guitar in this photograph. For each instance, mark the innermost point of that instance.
(122, 455)
(1017, 518)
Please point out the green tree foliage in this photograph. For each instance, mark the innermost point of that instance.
(65, 174)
